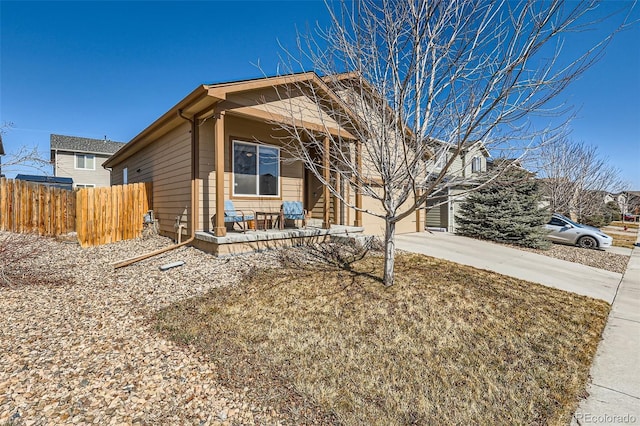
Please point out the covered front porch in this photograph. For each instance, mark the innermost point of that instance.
(259, 240)
(244, 164)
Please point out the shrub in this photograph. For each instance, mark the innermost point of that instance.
(506, 210)
(16, 254)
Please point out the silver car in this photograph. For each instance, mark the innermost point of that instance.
(565, 231)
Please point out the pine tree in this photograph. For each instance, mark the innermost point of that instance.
(506, 210)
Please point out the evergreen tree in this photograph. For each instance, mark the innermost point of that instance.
(506, 210)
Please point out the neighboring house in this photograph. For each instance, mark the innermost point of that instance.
(55, 182)
(81, 159)
(628, 201)
(466, 168)
(222, 142)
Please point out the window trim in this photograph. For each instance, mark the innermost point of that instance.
(233, 171)
(473, 164)
(75, 161)
(85, 185)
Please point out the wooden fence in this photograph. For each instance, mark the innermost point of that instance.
(107, 215)
(27, 207)
(98, 215)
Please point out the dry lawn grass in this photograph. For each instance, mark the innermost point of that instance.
(622, 238)
(630, 225)
(448, 344)
(626, 241)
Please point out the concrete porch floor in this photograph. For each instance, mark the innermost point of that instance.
(237, 242)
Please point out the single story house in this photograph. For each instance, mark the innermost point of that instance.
(222, 142)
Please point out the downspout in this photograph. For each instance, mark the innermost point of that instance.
(195, 160)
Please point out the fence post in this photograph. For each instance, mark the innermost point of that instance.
(3, 203)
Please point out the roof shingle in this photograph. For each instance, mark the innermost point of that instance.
(77, 144)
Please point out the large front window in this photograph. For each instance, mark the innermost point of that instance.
(256, 169)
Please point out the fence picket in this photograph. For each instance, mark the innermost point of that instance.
(98, 215)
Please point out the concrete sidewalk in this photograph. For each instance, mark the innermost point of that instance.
(525, 265)
(614, 391)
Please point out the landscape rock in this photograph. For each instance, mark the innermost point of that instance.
(83, 349)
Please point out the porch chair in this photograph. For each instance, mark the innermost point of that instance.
(233, 216)
(293, 210)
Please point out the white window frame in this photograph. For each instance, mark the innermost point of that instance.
(125, 176)
(233, 171)
(85, 185)
(477, 169)
(75, 161)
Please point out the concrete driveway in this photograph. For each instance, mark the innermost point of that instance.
(569, 276)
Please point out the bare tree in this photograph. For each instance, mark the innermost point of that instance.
(576, 178)
(15, 249)
(23, 157)
(416, 83)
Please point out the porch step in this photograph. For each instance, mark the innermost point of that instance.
(314, 223)
(436, 229)
(356, 240)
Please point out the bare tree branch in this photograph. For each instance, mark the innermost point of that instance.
(24, 157)
(417, 84)
(576, 178)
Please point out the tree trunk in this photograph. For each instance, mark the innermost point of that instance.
(389, 253)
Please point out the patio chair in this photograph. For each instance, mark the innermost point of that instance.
(234, 216)
(293, 210)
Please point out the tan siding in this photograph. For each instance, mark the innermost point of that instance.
(116, 176)
(299, 106)
(376, 226)
(291, 173)
(166, 163)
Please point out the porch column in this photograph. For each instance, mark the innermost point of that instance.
(358, 221)
(219, 229)
(326, 224)
(336, 200)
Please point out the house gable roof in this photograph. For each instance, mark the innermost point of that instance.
(204, 99)
(85, 145)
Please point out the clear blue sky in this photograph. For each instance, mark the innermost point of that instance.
(111, 68)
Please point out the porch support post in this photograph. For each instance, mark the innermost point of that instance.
(358, 221)
(219, 229)
(326, 224)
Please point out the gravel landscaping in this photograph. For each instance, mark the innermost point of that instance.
(82, 349)
(600, 259)
(78, 341)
